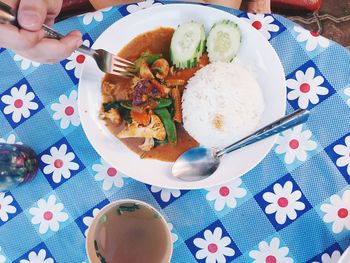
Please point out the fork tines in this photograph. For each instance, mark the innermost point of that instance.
(122, 67)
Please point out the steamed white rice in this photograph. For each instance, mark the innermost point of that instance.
(221, 104)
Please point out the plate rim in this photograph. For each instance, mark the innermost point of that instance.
(185, 185)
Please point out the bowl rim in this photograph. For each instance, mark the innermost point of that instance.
(118, 202)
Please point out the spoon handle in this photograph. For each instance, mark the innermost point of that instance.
(278, 126)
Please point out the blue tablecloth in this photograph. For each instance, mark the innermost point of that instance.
(293, 207)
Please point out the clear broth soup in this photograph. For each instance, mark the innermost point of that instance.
(129, 233)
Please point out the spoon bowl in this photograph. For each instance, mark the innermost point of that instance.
(200, 162)
(196, 162)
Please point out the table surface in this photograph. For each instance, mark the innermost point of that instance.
(332, 21)
(293, 207)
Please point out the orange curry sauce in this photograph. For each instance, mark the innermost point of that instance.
(157, 42)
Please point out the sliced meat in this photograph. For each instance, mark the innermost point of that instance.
(112, 92)
(145, 71)
(161, 68)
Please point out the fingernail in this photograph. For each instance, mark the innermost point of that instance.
(29, 19)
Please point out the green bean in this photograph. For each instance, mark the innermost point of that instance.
(168, 123)
(162, 103)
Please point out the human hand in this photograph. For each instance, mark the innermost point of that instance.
(252, 6)
(259, 6)
(28, 41)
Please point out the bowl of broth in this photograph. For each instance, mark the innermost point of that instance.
(129, 231)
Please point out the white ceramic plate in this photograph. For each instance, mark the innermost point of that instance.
(345, 257)
(255, 51)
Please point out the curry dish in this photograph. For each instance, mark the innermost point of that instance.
(144, 112)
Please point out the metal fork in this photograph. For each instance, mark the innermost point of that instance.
(106, 61)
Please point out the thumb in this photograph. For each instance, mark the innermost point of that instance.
(31, 14)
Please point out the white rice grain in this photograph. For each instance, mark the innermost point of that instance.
(221, 104)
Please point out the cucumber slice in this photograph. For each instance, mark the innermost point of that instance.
(187, 45)
(223, 41)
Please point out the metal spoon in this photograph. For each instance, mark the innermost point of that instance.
(200, 162)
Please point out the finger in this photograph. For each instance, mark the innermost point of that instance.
(50, 20)
(32, 14)
(54, 7)
(19, 39)
(11, 3)
(52, 50)
(53, 10)
(229, 3)
(259, 6)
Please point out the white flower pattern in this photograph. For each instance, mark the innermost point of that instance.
(347, 93)
(19, 103)
(166, 194)
(2, 258)
(337, 212)
(214, 246)
(48, 214)
(271, 253)
(5, 206)
(76, 61)
(60, 163)
(33, 257)
(109, 175)
(295, 144)
(306, 88)
(97, 16)
(67, 110)
(226, 195)
(25, 63)
(11, 139)
(262, 23)
(140, 6)
(312, 39)
(333, 258)
(174, 237)
(87, 220)
(344, 152)
(283, 202)
(222, 196)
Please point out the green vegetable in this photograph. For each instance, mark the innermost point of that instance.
(149, 58)
(161, 81)
(162, 103)
(168, 123)
(155, 215)
(126, 104)
(187, 45)
(124, 113)
(98, 254)
(172, 112)
(103, 219)
(111, 105)
(223, 41)
(124, 208)
(160, 142)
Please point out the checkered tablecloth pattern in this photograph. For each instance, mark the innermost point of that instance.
(293, 207)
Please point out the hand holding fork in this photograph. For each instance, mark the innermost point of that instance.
(32, 44)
